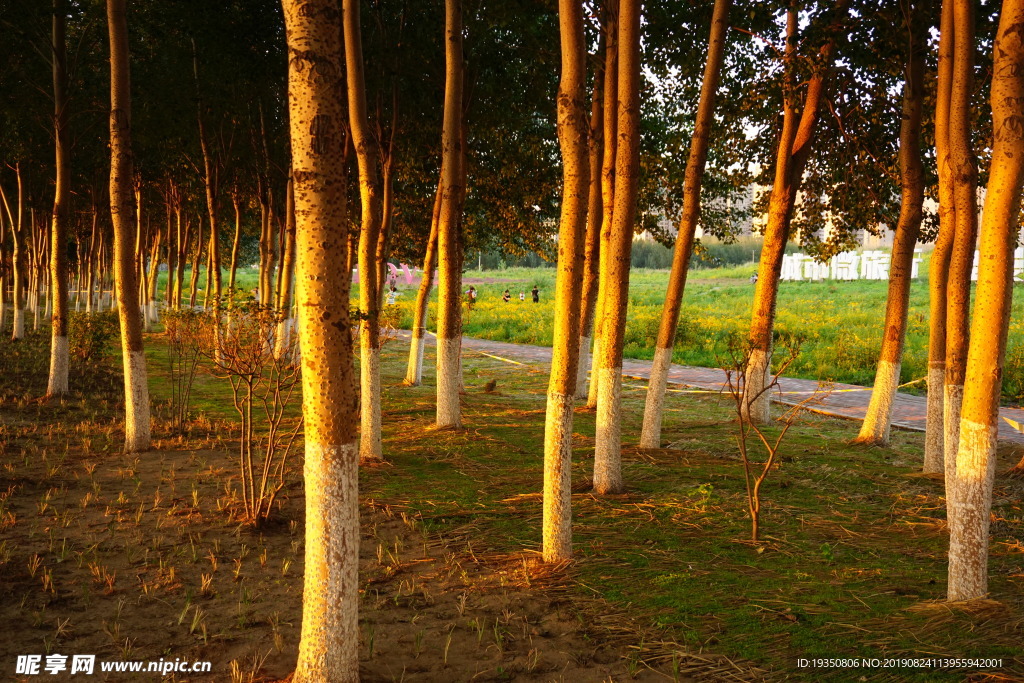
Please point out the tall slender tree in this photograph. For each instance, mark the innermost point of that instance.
(938, 270)
(122, 215)
(969, 490)
(878, 419)
(329, 643)
(58, 381)
(650, 435)
(572, 133)
(794, 150)
(608, 441)
(449, 308)
(964, 173)
(370, 191)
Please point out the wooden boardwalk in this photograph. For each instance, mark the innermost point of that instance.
(839, 400)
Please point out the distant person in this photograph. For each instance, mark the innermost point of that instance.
(506, 297)
(471, 297)
(536, 294)
(753, 279)
(522, 296)
(392, 295)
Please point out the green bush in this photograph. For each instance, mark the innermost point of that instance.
(91, 337)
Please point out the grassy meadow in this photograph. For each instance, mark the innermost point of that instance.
(837, 324)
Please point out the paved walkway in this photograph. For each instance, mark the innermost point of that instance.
(842, 400)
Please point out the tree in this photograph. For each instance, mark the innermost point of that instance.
(59, 358)
(449, 308)
(370, 193)
(572, 132)
(934, 451)
(969, 485)
(650, 436)
(964, 173)
(329, 644)
(122, 214)
(875, 428)
(794, 150)
(608, 441)
(414, 369)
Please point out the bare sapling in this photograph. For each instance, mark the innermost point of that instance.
(261, 382)
(752, 436)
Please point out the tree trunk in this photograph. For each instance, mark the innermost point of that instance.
(449, 306)
(938, 269)
(17, 260)
(969, 491)
(608, 441)
(965, 180)
(794, 149)
(572, 134)
(58, 381)
(282, 339)
(878, 419)
(370, 196)
(236, 244)
(414, 370)
(650, 435)
(610, 125)
(122, 213)
(329, 644)
(592, 248)
(196, 264)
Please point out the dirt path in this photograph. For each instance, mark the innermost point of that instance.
(842, 400)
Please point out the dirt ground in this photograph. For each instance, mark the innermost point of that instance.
(138, 558)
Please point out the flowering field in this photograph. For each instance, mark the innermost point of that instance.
(838, 324)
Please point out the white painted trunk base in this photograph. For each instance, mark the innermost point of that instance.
(759, 367)
(557, 519)
(369, 401)
(18, 331)
(136, 403)
(969, 499)
(608, 437)
(654, 407)
(414, 371)
(583, 368)
(449, 382)
(329, 642)
(934, 454)
(953, 398)
(878, 420)
(58, 383)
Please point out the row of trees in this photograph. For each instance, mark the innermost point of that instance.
(821, 131)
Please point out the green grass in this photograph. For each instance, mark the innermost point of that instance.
(839, 324)
(854, 538)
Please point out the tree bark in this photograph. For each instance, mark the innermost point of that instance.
(608, 441)
(592, 248)
(414, 369)
(122, 214)
(367, 156)
(794, 150)
(17, 260)
(608, 154)
(969, 490)
(59, 358)
(964, 173)
(650, 435)
(938, 269)
(329, 642)
(282, 339)
(572, 133)
(878, 419)
(449, 307)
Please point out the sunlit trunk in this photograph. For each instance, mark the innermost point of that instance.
(414, 368)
